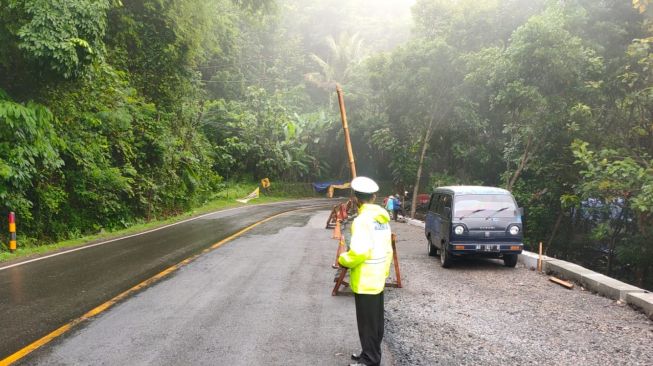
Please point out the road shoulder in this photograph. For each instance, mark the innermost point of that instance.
(480, 312)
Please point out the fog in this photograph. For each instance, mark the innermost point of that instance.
(125, 110)
(381, 24)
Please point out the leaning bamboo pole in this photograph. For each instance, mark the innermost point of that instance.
(345, 127)
(340, 280)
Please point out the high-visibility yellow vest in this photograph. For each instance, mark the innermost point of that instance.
(370, 251)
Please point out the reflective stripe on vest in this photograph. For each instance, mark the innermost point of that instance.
(379, 260)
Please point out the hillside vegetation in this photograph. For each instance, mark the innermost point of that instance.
(115, 112)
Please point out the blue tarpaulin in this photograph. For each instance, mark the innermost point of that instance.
(323, 186)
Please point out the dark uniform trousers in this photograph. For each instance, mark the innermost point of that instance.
(369, 316)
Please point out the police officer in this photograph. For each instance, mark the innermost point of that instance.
(369, 259)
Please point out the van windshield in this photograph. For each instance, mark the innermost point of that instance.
(484, 205)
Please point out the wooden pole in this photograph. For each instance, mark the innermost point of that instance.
(560, 282)
(396, 260)
(340, 280)
(539, 260)
(345, 127)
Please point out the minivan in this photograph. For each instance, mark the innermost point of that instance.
(474, 221)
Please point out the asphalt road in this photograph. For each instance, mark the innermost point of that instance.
(261, 299)
(264, 298)
(38, 297)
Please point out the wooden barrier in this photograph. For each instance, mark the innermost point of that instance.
(342, 271)
(395, 259)
(340, 212)
(333, 218)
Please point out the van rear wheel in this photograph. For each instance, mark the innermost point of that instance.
(510, 260)
(431, 248)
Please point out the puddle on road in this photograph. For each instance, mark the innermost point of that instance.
(295, 219)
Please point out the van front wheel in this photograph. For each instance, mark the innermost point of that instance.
(445, 257)
(510, 260)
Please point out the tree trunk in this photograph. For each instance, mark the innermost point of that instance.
(554, 231)
(611, 255)
(613, 240)
(427, 137)
(523, 162)
(640, 274)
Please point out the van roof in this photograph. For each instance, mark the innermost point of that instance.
(471, 190)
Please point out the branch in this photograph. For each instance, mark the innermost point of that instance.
(526, 157)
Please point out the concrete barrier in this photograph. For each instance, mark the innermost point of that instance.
(568, 271)
(642, 301)
(529, 260)
(593, 281)
(414, 222)
(609, 287)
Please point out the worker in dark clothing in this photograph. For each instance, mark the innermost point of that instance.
(396, 207)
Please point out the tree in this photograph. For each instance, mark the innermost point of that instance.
(618, 171)
(419, 91)
(49, 42)
(29, 160)
(544, 75)
(344, 55)
(622, 182)
(260, 136)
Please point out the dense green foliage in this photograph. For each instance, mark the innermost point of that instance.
(115, 112)
(552, 100)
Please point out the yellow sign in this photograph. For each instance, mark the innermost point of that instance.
(265, 183)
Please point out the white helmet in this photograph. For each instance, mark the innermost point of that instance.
(364, 185)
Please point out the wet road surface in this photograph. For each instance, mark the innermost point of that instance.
(262, 299)
(38, 297)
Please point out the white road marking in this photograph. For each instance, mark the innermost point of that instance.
(137, 234)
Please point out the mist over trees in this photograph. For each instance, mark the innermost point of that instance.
(552, 100)
(119, 111)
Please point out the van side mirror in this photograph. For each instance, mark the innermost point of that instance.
(520, 211)
(447, 212)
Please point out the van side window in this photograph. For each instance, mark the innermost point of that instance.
(441, 202)
(433, 203)
(447, 201)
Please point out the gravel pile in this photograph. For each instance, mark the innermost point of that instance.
(482, 313)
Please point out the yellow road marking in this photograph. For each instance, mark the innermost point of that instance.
(88, 246)
(99, 309)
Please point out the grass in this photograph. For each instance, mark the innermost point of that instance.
(222, 200)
